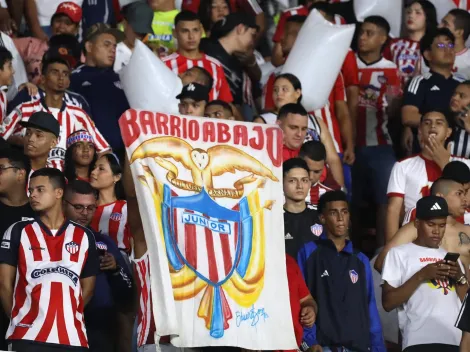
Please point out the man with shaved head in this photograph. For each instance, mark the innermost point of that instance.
(457, 235)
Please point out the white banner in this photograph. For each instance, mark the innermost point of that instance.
(391, 10)
(210, 194)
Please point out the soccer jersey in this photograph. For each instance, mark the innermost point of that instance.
(316, 191)
(350, 70)
(3, 105)
(111, 219)
(220, 89)
(433, 300)
(328, 112)
(71, 119)
(461, 70)
(145, 321)
(47, 298)
(406, 55)
(463, 4)
(412, 178)
(376, 80)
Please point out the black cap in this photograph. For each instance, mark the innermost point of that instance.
(431, 207)
(140, 17)
(194, 91)
(229, 22)
(65, 46)
(456, 171)
(44, 121)
(101, 28)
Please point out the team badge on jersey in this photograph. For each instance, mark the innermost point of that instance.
(72, 247)
(354, 276)
(101, 246)
(317, 229)
(115, 216)
(382, 79)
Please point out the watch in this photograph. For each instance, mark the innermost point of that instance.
(462, 280)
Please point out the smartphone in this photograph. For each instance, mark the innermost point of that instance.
(451, 257)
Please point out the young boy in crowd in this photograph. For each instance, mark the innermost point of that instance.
(193, 99)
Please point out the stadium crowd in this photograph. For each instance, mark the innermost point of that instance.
(375, 183)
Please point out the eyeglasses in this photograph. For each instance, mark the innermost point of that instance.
(8, 167)
(444, 46)
(80, 208)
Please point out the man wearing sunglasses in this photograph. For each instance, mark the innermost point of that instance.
(114, 285)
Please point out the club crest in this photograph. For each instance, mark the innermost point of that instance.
(317, 229)
(354, 276)
(72, 247)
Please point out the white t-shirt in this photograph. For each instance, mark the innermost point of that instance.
(123, 56)
(430, 313)
(412, 178)
(47, 8)
(461, 69)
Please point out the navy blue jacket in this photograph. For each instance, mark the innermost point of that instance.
(341, 283)
(102, 89)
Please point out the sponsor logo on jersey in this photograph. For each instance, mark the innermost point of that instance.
(115, 216)
(72, 247)
(5, 244)
(36, 274)
(57, 153)
(354, 276)
(408, 57)
(408, 69)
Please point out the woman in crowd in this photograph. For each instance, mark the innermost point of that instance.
(287, 89)
(211, 11)
(420, 16)
(80, 156)
(111, 214)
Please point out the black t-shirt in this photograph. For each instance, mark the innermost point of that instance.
(300, 228)
(232, 67)
(10, 215)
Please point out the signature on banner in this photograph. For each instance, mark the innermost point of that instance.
(253, 316)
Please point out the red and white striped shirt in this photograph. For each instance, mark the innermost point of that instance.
(3, 105)
(406, 55)
(463, 4)
(376, 80)
(328, 112)
(71, 119)
(145, 322)
(220, 89)
(316, 191)
(111, 220)
(47, 298)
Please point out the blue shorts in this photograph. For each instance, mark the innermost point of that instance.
(371, 172)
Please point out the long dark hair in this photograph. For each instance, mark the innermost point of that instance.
(70, 171)
(116, 169)
(293, 80)
(204, 13)
(429, 11)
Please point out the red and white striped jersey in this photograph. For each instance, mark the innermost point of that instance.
(3, 105)
(463, 4)
(412, 178)
(47, 297)
(376, 80)
(71, 119)
(461, 70)
(349, 70)
(220, 89)
(145, 321)
(316, 191)
(328, 112)
(410, 216)
(111, 220)
(406, 55)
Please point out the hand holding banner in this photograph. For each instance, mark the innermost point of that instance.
(317, 56)
(148, 83)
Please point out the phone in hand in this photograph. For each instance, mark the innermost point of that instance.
(451, 257)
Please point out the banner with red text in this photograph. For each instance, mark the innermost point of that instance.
(210, 197)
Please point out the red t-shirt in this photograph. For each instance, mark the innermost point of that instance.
(288, 153)
(297, 291)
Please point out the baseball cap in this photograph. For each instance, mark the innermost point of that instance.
(65, 46)
(431, 207)
(102, 28)
(69, 9)
(229, 22)
(43, 121)
(139, 15)
(457, 171)
(194, 91)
